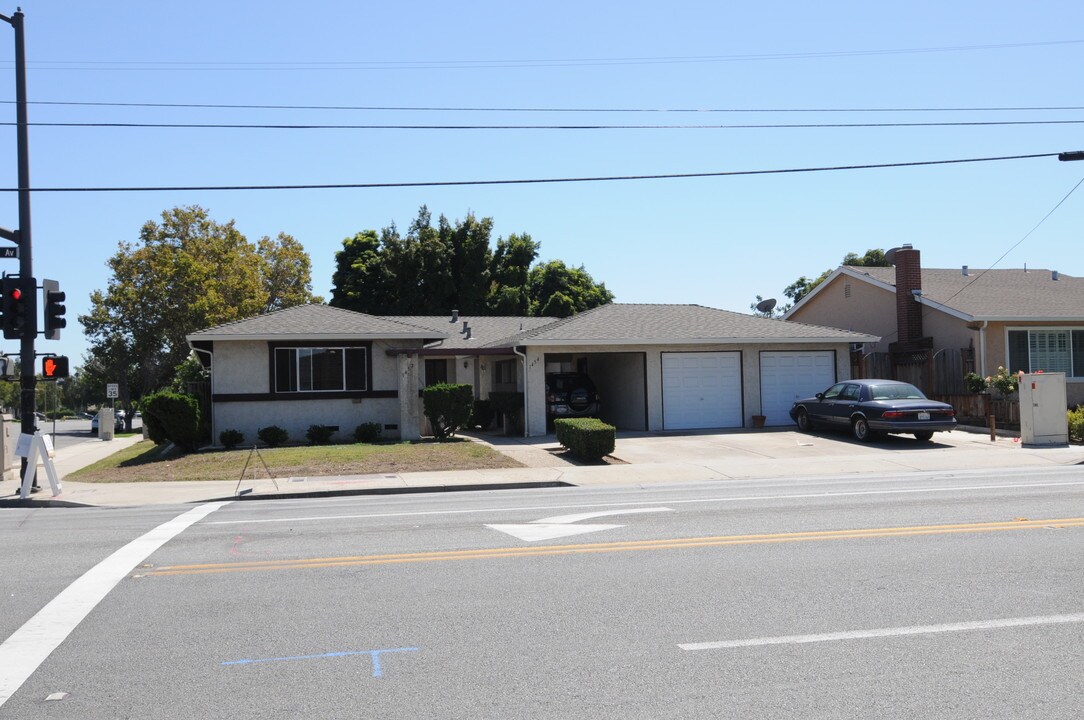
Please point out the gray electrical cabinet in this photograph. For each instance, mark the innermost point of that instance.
(1043, 403)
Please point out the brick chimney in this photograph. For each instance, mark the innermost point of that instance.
(908, 309)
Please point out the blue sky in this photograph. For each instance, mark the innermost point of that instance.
(712, 241)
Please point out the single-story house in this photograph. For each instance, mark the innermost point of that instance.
(1021, 319)
(656, 367)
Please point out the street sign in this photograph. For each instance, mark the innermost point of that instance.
(112, 390)
(9, 252)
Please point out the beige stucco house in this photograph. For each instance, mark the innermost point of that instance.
(1021, 319)
(656, 367)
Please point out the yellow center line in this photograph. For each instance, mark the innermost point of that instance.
(607, 547)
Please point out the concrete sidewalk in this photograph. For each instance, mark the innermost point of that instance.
(640, 459)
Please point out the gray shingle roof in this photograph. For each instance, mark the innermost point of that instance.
(679, 324)
(316, 322)
(997, 294)
(486, 332)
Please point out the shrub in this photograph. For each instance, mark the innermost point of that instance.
(272, 435)
(1004, 382)
(1076, 424)
(586, 438)
(174, 417)
(368, 432)
(231, 438)
(482, 414)
(975, 383)
(319, 434)
(448, 407)
(510, 405)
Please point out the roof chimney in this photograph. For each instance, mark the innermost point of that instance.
(467, 333)
(908, 289)
(455, 316)
(965, 271)
(466, 327)
(1053, 274)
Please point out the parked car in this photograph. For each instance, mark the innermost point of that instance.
(570, 395)
(118, 424)
(870, 407)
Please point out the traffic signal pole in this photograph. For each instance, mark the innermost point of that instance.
(26, 265)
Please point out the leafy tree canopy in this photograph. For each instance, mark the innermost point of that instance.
(171, 282)
(434, 268)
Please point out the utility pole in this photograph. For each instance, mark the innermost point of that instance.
(26, 267)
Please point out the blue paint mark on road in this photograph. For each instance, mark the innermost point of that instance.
(378, 671)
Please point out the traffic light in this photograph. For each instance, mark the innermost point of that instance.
(54, 367)
(54, 309)
(19, 307)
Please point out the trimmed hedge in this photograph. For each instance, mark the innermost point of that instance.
(448, 407)
(1076, 424)
(586, 438)
(174, 417)
(368, 432)
(319, 434)
(231, 438)
(272, 435)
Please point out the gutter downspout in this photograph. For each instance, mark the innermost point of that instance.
(526, 386)
(982, 348)
(210, 369)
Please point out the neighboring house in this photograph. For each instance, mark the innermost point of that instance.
(656, 367)
(1021, 319)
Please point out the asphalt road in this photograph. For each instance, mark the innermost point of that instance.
(937, 595)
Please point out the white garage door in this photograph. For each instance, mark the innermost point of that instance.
(788, 376)
(701, 390)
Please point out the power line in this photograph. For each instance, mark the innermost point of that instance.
(428, 108)
(514, 63)
(750, 126)
(535, 181)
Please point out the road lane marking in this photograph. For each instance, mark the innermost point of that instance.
(887, 632)
(654, 501)
(374, 655)
(623, 546)
(31, 644)
(552, 528)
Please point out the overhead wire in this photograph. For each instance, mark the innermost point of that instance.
(750, 126)
(538, 181)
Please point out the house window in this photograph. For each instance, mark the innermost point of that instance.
(320, 369)
(436, 371)
(1047, 350)
(504, 372)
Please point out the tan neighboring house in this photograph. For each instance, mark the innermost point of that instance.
(1021, 319)
(656, 367)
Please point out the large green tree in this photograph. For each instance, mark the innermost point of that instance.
(186, 272)
(434, 269)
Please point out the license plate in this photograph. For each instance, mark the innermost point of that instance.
(923, 416)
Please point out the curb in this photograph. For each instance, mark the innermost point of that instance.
(399, 490)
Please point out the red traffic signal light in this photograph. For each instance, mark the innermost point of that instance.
(54, 367)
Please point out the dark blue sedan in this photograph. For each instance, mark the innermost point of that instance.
(869, 407)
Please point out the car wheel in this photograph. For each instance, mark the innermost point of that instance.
(804, 423)
(860, 430)
(923, 436)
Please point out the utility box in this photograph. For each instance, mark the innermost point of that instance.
(9, 461)
(105, 424)
(1043, 403)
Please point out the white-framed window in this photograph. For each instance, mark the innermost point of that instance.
(320, 369)
(1047, 349)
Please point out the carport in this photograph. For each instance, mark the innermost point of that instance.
(619, 377)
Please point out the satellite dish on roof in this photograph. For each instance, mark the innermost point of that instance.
(890, 256)
(766, 306)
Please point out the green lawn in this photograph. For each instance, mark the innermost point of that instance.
(143, 462)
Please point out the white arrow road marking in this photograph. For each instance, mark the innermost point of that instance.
(561, 525)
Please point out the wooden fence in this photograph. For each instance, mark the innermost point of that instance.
(975, 409)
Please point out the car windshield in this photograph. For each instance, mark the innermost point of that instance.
(896, 391)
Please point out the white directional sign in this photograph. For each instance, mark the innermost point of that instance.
(562, 525)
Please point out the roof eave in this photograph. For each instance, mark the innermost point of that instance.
(311, 337)
(856, 337)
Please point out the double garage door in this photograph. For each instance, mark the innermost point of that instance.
(704, 389)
